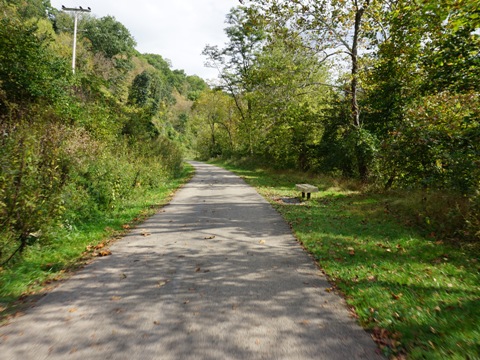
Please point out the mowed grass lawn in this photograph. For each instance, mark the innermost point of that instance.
(418, 296)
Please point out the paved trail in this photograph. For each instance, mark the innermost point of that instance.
(219, 277)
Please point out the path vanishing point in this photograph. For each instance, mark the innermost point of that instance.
(216, 274)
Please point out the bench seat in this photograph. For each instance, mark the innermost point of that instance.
(306, 189)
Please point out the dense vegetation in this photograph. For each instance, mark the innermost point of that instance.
(382, 91)
(74, 148)
(385, 93)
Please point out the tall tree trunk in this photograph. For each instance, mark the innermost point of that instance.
(361, 161)
(354, 82)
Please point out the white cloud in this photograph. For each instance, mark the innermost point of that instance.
(176, 29)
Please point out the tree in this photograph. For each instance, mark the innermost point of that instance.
(109, 37)
(329, 28)
(235, 62)
(196, 85)
(29, 70)
(150, 90)
(214, 124)
(288, 101)
(428, 62)
(32, 8)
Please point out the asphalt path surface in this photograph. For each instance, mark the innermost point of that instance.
(216, 274)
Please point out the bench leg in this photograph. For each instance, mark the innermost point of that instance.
(303, 195)
(308, 196)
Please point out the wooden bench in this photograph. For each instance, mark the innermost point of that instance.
(306, 188)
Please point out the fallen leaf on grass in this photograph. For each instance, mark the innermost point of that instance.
(397, 296)
(126, 226)
(352, 313)
(384, 338)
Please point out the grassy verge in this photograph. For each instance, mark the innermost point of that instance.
(40, 266)
(419, 296)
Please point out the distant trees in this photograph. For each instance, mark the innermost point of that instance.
(214, 125)
(276, 85)
(109, 37)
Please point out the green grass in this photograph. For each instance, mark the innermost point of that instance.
(419, 297)
(40, 265)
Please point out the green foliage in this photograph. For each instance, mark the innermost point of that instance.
(398, 107)
(76, 147)
(29, 70)
(32, 8)
(159, 63)
(109, 37)
(288, 102)
(437, 145)
(150, 90)
(34, 171)
(214, 125)
(196, 85)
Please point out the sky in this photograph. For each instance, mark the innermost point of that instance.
(177, 30)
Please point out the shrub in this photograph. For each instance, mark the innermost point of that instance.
(33, 174)
(438, 145)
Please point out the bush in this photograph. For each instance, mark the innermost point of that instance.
(438, 144)
(52, 174)
(34, 171)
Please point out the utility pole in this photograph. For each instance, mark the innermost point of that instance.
(75, 11)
